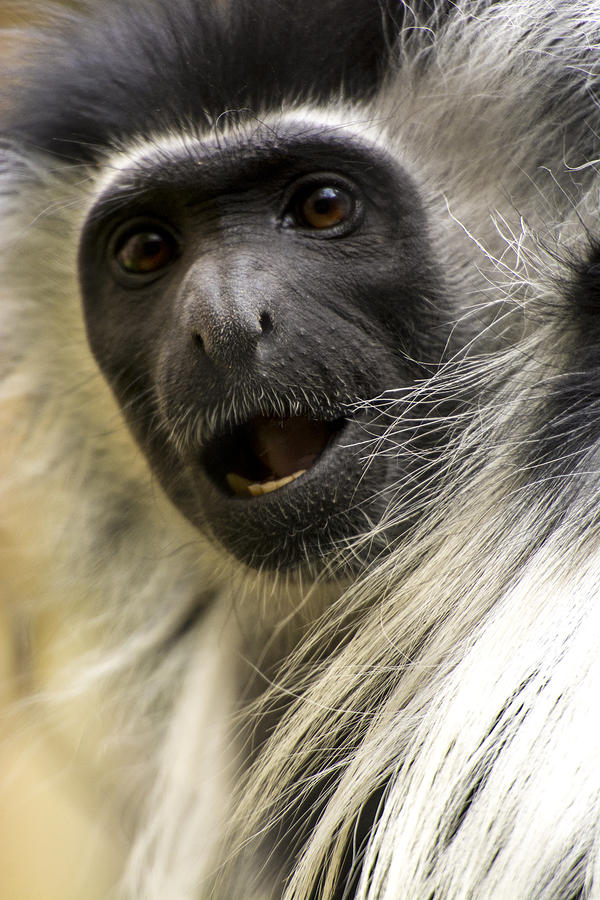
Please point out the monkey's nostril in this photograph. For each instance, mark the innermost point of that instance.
(198, 340)
(265, 322)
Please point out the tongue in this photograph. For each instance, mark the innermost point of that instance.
(285, 446)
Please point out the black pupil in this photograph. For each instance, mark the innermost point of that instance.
(149, 246)
(152, 245)
(145, 252)
(326, 201)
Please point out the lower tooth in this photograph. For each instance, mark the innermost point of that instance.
(245, 488)
(266, 487)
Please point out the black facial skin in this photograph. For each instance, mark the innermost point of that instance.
(274, 277)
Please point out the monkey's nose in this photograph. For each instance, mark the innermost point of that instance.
(230, 338)
(226, 309)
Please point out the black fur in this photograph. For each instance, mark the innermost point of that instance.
(139, 67)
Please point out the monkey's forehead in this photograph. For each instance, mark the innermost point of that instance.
(239, 138)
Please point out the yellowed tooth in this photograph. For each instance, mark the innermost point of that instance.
(245, 488)
(265, 487)
(238, 484)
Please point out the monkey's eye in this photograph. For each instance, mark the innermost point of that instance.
(144, 249)
(323, 207)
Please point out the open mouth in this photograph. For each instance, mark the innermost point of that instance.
(267, 453)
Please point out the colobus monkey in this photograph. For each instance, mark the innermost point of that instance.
(300, 343)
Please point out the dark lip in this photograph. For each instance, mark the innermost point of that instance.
(217, 458)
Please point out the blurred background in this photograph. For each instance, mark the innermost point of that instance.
(57, 841)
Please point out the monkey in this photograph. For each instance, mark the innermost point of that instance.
(299, 356)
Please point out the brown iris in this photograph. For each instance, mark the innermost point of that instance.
(325, 207)
(145, 252)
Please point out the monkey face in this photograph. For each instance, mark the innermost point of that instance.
(243, 297)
